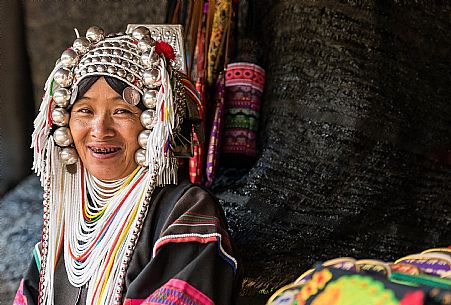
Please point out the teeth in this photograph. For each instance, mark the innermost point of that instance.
(104, 150)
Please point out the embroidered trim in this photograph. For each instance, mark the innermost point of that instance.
(200, 238)
(178, 292)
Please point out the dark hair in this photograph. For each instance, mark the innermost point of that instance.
(115, 84)
(86, 83)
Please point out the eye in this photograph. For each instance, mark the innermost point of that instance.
(122, 111)
(83, 110)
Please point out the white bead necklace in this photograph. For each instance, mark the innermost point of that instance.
(99, 244)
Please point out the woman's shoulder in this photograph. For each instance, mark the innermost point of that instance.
(193, 198)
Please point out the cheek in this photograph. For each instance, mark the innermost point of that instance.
(77, 129)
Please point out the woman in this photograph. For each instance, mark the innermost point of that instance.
(117, 227)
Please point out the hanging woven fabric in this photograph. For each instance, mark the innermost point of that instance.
(198, 73)
(214, 145)
(221, 22)
(244, 84)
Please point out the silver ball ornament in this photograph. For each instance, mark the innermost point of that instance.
(81, 45)
(146, 44)
(150, 98)
(148, 118)
(61, 97)
(69, 155)
(60, 116)
(63, 77)
(140, 32)
(143, 138)
(152, 78)
(140, 157)
(150, 59)
(95, 34)
(62, 137)
(69, 58)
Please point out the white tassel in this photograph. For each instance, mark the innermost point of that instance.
(42, 128)
(162, 134)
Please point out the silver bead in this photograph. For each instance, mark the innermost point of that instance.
(148, 118)
(111, 69)
(88, 60)
(95, 34)
(150, 98)
(152, 78)
(60, 116)
(100, 68)
(91, 69)
(61, 97)
(83, 71)
(62, 137)
(143, 137)
(130, 78)
(81, 45)
(127, 55)
(69, 58)
(140, 32)
(150, 59)
(140, 157)
(106, 51)
(126, 64)
(117, 52)
(69, 155)
(115, 60)
(63, 77)
(146, 44)
(105, 59)
(95, 59)
(121, 73)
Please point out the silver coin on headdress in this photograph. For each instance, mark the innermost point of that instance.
(131, 96)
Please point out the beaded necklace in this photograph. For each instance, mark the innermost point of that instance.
(97, 224)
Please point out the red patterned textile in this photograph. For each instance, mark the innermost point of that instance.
(244, 87)
(178, 292)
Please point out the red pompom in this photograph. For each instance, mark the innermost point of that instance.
(165, 49)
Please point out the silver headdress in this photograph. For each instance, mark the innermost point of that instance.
(153, 69)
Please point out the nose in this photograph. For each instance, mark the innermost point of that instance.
(102, 126)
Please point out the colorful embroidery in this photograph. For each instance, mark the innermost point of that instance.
(178, 292)
(20, 298)
(353, 289)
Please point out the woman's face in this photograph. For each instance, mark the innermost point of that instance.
(105, 129)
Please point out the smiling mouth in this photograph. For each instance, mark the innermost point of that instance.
(104, 151)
